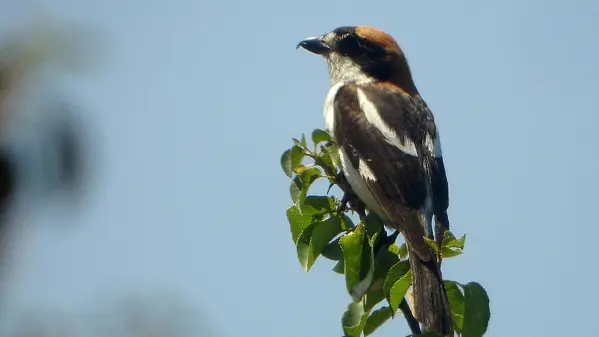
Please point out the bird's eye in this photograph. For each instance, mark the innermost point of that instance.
(349, 45)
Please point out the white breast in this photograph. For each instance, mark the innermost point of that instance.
(355, 175)
(329, 107)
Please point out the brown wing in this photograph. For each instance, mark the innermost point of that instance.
(401, 181)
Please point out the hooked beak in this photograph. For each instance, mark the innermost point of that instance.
(315, 45)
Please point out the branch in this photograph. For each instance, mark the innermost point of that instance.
(407, 313)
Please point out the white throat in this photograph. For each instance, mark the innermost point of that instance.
(343, 70)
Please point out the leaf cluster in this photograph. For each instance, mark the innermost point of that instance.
(377, 276)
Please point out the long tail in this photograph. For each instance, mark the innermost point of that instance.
(431, 307)
(430, 299)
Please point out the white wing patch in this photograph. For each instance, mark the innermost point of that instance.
(434, 145)
(329, 107)
(358, 184)
(373, 116)
(365, 170)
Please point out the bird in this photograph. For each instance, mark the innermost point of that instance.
(390, 150)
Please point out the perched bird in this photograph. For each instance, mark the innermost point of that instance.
(390, 150)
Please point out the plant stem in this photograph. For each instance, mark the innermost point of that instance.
(407, 313)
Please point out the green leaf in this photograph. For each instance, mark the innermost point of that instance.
(394, 249)
(303, 226)
(301, 184)
(347, 223)
(432, 244)
(358, 261)
(376, 319)
(315, 208)
(298, 222)
(457, 243)
(290, 159)
(398, 270)
(456, 304)
(476, 310)
(324, 160)
(447, 237)
(332, 251)
(372, 239)
(322, 234)
(373, 297)
(299, 169)
(403, 251)
(332, 151)
(286, 163)
(354, 319)
(352, 244)
(448, 252)
(319, 136)
(295, 189)
(399, 289)
(339, 268)
(366, 268)
(303, 247)
(383, 262)
(303, 141)
(374, 226)
(297, 142)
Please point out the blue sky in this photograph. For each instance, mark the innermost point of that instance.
(194, 101)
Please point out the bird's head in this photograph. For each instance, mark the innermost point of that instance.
(362, 54)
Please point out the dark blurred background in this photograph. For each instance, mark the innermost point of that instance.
(48, 161)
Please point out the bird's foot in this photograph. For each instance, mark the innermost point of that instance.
(343, 204)
(350, 201)
(349, 197)
(342, 182)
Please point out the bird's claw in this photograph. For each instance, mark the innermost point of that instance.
(341, 181)
(349, 197)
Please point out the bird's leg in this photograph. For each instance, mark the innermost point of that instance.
(349, 198)
(343, 202)
(342, 182)
(358, 206)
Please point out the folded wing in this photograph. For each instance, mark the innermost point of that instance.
(389, 139)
